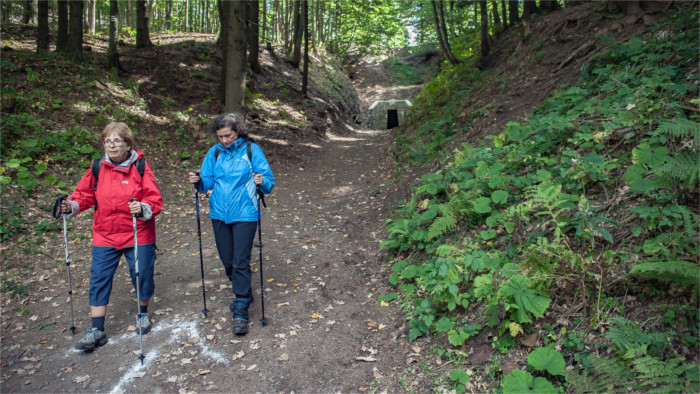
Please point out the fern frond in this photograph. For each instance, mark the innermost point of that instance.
(441, 225)
(628, 335)
(679, 128)
(600, 376)
(663, 376)
(679, 271)
(680, 168)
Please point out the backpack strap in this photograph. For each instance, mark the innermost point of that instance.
(97, 165)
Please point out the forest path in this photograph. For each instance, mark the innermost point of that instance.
(327, 330)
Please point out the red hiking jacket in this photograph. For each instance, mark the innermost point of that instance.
(113, 224)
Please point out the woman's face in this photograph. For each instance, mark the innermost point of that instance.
(116, 147)
(226, 136)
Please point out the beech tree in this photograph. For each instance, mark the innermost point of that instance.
(234, 55)
(75, 33)
(253, 36)
(42, 31)
(62, 30)
(143, 38)
(112, 53)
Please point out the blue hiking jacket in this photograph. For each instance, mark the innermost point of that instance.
(230, 177)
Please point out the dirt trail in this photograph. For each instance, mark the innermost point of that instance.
(326, 329)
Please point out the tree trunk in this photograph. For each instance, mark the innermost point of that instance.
(513, 12)
(298, 33)
(253, 26)
(112, 53)
(485, 45)
(529, 8)
(143, 39)
(62, 32)
(75, 34)
(504, 12)
(91, 16)
(168, 14)
(28, 14)
(494, 11)
(235, 56)
(42, 31)
(451, 55)
(549, 5)
(305, 22)
(187, 16)
(442, 33)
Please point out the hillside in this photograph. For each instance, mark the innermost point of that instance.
(341, 319)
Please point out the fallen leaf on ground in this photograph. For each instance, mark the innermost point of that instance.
(283, 304)
(252, 367)
(186, 361)
(366, 359)
(315, 315)
(203, 371)
(283, 357)
(238, 355)
(81, 379)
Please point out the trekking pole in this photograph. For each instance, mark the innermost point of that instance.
(138, 292)
(201, 258)
(56, 212)
(261, 198)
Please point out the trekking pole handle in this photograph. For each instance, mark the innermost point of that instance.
(57, 211)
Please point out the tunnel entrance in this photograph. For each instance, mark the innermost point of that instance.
(386, 114)
(392, 119)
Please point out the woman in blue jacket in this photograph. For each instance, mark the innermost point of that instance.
(234, 177)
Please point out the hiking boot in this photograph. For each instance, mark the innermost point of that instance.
(93, 338)
(144, 323)
(240, 326)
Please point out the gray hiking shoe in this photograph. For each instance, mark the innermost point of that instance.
(93, 338)
(144, 323)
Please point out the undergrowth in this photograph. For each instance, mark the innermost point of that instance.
(589, 204)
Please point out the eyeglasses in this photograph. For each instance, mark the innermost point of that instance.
(115, 142)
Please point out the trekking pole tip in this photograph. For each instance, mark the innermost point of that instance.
(72, 330)
(263, 321)
(205, 311)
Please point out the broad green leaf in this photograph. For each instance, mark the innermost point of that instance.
(457, 337)
(526, 299)
(645, 154)
(444, 324)
(546, 359)
(482, 205)
(409, 272)
(459, 376)
(499, 196)
(522, 382)
(50, 180)
(516, 132)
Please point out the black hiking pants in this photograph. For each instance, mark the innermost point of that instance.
(234, 241)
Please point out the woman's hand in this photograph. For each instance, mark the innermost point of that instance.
(135, 207)
(194, 177)
(66, 208)
(258, 178)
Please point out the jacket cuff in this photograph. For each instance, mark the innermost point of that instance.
(146, 212)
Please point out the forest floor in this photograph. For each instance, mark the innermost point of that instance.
(327, 331)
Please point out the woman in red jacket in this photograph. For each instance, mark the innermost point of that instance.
(118, 182)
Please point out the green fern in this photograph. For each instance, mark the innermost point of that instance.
(679, 128)
(681, 168)
(682, 272)
(600, 375)
(667, 376)
(447, 221)
(627, 335)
